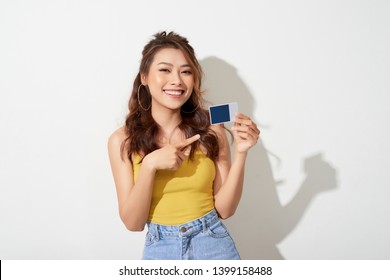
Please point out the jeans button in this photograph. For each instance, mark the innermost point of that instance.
(183, 229)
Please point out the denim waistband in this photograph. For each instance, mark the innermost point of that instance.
(200, 224)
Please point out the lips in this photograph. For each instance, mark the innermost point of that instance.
(173, 92)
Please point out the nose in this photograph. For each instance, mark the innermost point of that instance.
(176, 79)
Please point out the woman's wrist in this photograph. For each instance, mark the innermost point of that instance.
(147, 163)
(240, 154)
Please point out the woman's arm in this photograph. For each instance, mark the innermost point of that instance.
(229, 180)
(133, 199)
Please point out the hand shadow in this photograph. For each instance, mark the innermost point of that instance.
(261, 222)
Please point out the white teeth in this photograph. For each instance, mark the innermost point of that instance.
(173, 92)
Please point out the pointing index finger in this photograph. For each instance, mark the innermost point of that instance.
(188, 141)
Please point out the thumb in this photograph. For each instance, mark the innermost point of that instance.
(187, 151)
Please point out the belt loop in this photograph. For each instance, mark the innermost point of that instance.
(156, 233)
(204, 224)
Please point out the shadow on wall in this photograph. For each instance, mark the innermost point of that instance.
(261, 221)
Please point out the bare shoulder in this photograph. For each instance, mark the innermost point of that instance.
(217, 128)
(115, 142)
(117, 137)
(220, 130)
(223, 140)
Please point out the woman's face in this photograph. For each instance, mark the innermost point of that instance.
(170, 79)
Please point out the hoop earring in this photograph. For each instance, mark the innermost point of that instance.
(192, 110)
(139, 101)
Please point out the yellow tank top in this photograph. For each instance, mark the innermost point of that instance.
(183, 195)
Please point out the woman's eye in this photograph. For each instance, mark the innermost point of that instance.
(188, 72)
(164, 70)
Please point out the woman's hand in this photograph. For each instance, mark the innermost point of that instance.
(170, 157)
(245, 133)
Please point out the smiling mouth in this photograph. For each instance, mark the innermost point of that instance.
(174, 92)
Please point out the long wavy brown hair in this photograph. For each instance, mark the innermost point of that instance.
(141, 129)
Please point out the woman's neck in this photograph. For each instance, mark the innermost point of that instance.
(168, 120)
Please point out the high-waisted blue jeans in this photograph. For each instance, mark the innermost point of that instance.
(205, 238)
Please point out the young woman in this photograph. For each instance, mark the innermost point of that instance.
(171, 168)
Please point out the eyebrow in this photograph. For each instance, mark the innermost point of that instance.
(170, 64)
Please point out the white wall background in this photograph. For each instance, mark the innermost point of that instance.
(313, 74)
